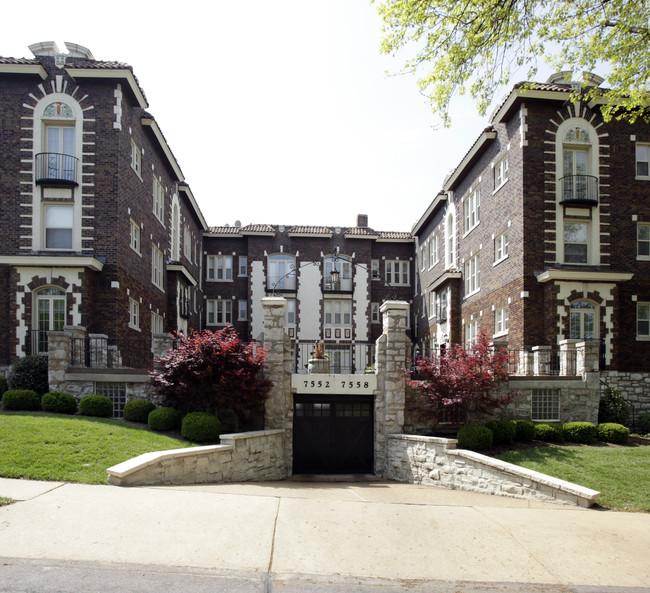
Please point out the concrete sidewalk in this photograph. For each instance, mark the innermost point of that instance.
(378, 529)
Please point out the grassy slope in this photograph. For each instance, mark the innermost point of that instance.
(39, 446)
(621, 474)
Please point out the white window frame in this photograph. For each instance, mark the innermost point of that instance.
(158, 200)
(187, 243)
(69, 208)
(434, 250)
(450, 241)
(242, 310)
(157, 323)
(644, 162)
(433, 300)
(374, 270)
(472, 329)
(501, 321)
(643, 241)
(375, 316)
(134, 314)
(473, 275)
(243, 266)
(281, 272)
(290, 314)
(501, 244)
(586, 243)
(442, 307)
(501, 174)
(643, 321)
(157, 267)
(220, 268)
(472, 209)
(398, 272)
(136, 158)
(134, 236)
(338, 313)
(219, 312)
(545, 405)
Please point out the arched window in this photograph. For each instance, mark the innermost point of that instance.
(583, 321)
(59, 142)
(50, 305)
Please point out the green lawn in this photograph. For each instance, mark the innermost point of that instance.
(39, 446)
(621, 474)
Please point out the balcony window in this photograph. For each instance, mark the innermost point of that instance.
(281, 272)
(337, 275)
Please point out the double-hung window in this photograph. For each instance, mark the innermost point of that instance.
(472, 275)
(156, 323)
(434, 249)
(501, 321)
(243, 265)
(219, 312)
(643, 241)
(243, 311)
(472, 208)
(156, 267)
(501, 247)
(135, 236)
(643, 321)
(643, 160)
(471, 332)
(58, 227)
(338, 312)
(500, 173)
(136, 158)
(134, 314)
(158, 200)
(576, 242)
(397, 273)
(220, 268)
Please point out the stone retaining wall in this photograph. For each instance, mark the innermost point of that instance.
(436, 461)
(634, 387)
(241, 457)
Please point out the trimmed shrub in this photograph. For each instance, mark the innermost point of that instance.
(201, 427)
(29, 372)
(475, 438)
(59, 402)
(503, 431)
(21, 399)
(644, 423)
(96, 405)
(613, 408)
(524, 430)
(579, 432)
(610, 432)
(551, 433)
(164, 419)
(137, 410)
(3, 384)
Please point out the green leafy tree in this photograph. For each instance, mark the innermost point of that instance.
(476, 45)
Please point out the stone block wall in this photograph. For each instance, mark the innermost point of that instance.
(436, 461)
(634, 387)
(242, 457)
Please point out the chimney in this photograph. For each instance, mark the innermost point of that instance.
(362, 220)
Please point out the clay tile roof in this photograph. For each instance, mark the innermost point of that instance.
(18, 61)
(258, 228)
(399, 235)
(545, 86)
(225, 230)
(312, 230)
(361, 231)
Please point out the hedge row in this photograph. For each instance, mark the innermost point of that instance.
(498, 432)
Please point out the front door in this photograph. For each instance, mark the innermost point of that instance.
(333, 435)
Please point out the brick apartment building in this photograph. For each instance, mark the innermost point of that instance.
(542, 233)
(99, 229)
(334, 280)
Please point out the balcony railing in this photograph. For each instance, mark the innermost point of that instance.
(580, 190)
(56, 169)
(343, 358)
(341, 285)
(111, 353)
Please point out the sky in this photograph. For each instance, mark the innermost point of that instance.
(278, 112)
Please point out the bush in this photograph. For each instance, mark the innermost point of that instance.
(644, 423)
(475, 438)
(610, 432)
(3, 384)
(137, 410)
(21, 399)
(551, 433)
(613, 408)
(29, 372)
(164, 419)
(201, 427)
(579, 432)
(96, 405)
(524, 430)
(59, 402)
(503, 431)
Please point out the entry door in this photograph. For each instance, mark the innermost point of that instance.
(333, 435)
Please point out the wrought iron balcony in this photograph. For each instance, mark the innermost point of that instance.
(579, 190)
(53, 168)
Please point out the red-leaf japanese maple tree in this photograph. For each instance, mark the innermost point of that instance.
(211, 370)
(464, 380)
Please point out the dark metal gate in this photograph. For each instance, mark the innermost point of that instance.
(333, 434)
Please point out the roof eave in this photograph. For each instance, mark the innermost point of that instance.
(479, 146)
(33, 69)
(190, 196)
(517, 95)
(122, 74)
(437, 203)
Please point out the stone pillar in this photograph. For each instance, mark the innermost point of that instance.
(587, 357)
(58, 359)
(160, 344)
(568, 358)
(391, 359)
(541, 360)
(278, 410)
